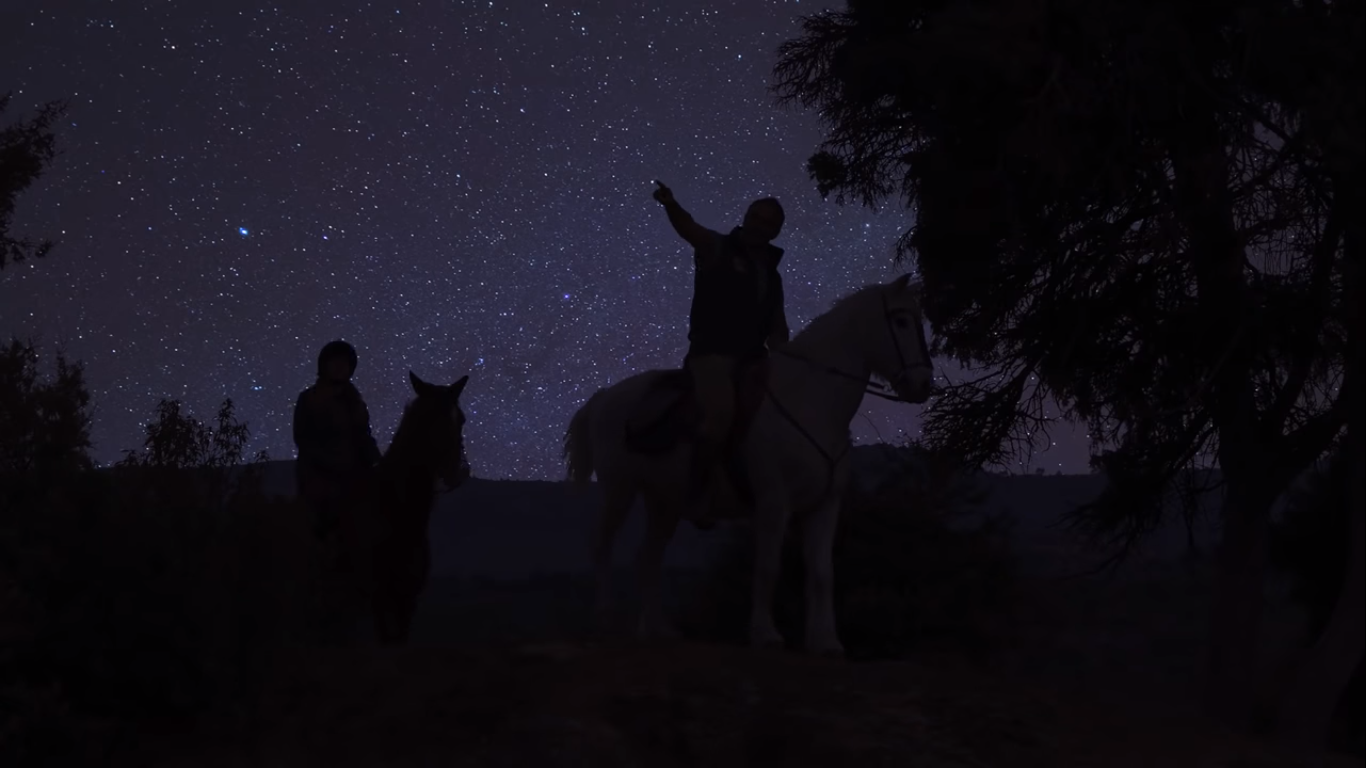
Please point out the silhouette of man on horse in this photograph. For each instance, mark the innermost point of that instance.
(336, 448)
(737, 316)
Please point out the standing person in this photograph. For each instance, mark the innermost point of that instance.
(332, 434)
(737, 315)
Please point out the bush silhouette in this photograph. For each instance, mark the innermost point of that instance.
(44, 460)
(149, 590)
(917, 564)
(44, 423)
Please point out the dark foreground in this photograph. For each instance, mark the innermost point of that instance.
(582, 704)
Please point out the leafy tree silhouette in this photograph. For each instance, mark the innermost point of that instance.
(1143, 210)
(27, 148)
(45, 423)
(201, 465)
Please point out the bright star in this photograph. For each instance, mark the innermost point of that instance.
(243, 231)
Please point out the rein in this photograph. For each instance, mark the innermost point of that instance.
(884, 391)
(831, 462)
(447, 487)
(876, 389)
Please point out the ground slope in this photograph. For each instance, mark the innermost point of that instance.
(578, 704)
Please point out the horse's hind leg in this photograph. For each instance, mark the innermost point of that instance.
(616, 504)
(662, 520)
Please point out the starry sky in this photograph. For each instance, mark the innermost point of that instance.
(453, 187)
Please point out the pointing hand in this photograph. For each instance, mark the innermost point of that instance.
(663, 195)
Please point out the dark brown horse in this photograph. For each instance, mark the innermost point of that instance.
(429, 446)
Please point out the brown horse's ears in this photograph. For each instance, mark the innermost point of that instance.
(419, 386)
(423, 388)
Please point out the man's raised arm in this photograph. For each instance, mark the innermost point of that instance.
(696, 235)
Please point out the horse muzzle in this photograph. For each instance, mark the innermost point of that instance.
(915, 384)
(457, 475)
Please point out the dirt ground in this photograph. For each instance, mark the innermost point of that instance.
(677, 705)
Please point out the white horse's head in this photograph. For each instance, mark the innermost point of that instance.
(893, 339)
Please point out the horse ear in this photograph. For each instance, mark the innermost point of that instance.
(459, 385)
(901, 282)
(419, 386)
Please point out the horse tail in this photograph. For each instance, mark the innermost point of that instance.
(578, 443)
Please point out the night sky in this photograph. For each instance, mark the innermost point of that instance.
(453, 187)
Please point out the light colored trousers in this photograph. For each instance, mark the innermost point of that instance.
(713, 378)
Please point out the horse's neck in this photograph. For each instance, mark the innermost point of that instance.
(805, 384)
(406, 482)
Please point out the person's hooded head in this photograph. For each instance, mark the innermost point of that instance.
(337, 361)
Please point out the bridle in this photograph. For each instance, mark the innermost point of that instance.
(878, 389)
(462, 457)
(446, 486)
(922, 347)
(886, 391)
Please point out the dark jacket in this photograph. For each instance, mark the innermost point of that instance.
(733, 311)
(332, 431)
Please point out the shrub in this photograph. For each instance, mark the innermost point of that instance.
(44, 442)
(154, 589)
(917, 563)
(44, 424)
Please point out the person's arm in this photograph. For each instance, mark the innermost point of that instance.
(687, 228)
(369, 447)
(702, 240)
(778, 332)
(305, 431)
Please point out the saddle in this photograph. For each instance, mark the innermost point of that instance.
(668, 415)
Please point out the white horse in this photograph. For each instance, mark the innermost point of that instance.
(795, 452)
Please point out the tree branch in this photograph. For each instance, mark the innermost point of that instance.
(1303, 348)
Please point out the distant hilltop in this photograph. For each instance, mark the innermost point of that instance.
(872, 464)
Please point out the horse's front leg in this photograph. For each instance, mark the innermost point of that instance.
(818, 545)
(770, 526)
(661, 521)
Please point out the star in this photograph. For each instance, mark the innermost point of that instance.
(454, 188)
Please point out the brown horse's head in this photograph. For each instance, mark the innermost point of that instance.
(432, 431)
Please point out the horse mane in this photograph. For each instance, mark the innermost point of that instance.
(839, 311)
(408, 436)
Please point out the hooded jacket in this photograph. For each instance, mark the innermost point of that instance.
(332, 424)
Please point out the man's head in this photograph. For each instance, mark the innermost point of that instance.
(337, 361)
(763, 221)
